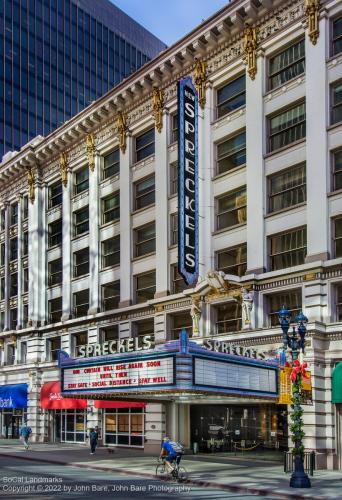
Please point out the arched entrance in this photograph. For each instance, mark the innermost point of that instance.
(337, 400)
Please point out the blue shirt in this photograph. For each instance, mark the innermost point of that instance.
(167, 446)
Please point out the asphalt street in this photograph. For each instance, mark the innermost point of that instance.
(20, 479)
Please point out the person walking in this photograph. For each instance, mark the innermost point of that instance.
(25, 433)
(93, 437)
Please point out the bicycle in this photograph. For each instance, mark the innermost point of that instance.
(178, 473)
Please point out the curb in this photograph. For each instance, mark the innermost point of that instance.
(194, 482)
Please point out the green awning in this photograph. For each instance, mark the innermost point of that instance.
(337, 384)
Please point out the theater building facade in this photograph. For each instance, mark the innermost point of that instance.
(89, 243)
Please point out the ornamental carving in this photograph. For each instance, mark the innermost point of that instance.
(312, 14)
(158, 105)
(122, 131)
(63, 166)
(250, 48)
(30, 180)
(200, 77)
(90, 146)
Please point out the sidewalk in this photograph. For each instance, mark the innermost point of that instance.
(242, 475)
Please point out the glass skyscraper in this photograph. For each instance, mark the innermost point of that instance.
(57, 56)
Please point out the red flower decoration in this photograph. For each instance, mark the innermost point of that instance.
(298, 368)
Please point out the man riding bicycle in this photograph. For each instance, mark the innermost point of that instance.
(169, 453)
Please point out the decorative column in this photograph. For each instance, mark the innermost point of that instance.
(94, 223)
(66, 239)
(37, 253)
(125, 225)
(35, 418)
(19, 262)
(255, 139)
(206, 168)
(7, 269)
(154, 427)
(161, 208)
(317, 155)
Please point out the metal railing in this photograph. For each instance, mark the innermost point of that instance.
(309, 462)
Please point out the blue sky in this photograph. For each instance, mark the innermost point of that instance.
(170, 20)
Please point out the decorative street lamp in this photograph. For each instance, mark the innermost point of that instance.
(296, 342)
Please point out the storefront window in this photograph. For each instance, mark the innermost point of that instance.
(70, 426)
(124, 427)
(223, 428)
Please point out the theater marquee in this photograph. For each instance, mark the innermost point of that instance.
(188, 256)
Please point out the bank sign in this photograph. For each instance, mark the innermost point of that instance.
(188, 215)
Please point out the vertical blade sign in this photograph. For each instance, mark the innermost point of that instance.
(188, 181)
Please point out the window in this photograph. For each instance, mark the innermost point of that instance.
(111, 252)
(23, 352)
(81, 262)
(81, 180)
(287, 127)
(231, 153)
(231, 96)
(110, 295)
(26, 279)
(292, 300)
(55, 273)
(14, 214)
(287, 188)
(178, 322)
(287, 249)
(81, 221)
(233, 260)
(231, 209)
(336, 103)
(55, 233)
(174, 128)
(337, 36)
(111, 164)
(2, 253)
(26, 207)
(55, 194)
(2, 288)
(145, 287)
(78, 339)
(173, 179)
(111, 208)
(53, 346)
(25, 244)
(144, 193)
(55, 310)
(144, 145)
(81, 303)
(13, 248)
(14, 285)
(10, 358)
(109, 333)
(337, 232)
(144, 327)
(287, 64)
(3, 219)
(229, 318)
(145, 240)
(174, 229)
(25, 315)
(177, 282)
(13, 318)
(337, 169)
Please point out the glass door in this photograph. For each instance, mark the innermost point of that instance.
(72, 426)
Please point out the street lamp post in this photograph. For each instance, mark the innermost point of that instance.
(296, 342)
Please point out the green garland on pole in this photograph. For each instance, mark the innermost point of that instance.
(296, 417)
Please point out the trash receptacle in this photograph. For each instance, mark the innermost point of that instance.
(195, 448)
